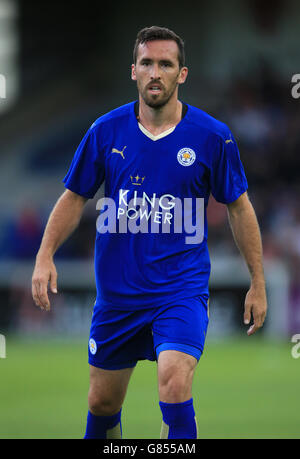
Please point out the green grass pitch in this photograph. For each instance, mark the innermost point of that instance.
(243, 388)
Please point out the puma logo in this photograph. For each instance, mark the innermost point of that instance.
(114, 150)
(229, 140)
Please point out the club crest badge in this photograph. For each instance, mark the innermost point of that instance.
(186, 156)
(92, 346)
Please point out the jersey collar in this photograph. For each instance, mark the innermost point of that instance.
(162, 134)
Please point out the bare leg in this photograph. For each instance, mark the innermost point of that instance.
(175, 378)
(107, 390)
(105, 399)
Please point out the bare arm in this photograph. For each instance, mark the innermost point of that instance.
(63, 220)
(247, 236)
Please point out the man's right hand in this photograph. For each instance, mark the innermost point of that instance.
(63, 220)
(44, 272)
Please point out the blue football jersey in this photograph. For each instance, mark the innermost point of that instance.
(151, 239)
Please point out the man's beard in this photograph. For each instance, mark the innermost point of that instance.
(159, 101)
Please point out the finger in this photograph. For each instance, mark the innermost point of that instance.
(43, 295)
(253, 329)
(40, 296)
(53, 281)
(263, 317)
(35, 294)
(247, 313)
(258, 317)
(256, 325)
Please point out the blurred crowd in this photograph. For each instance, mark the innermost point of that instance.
(265, 120)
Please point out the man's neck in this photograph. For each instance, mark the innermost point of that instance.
(158, 120)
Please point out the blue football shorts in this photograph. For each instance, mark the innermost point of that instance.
(119, 338)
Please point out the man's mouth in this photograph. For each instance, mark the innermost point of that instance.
(154, 89)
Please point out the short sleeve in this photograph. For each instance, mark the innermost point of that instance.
(86, 173)
(227, 176)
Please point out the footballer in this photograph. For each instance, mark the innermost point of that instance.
(153, 154)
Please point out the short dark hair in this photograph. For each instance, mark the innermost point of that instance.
(159, 33)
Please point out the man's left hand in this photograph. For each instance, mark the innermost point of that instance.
(255, 305)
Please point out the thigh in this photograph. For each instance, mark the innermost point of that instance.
(110, 384)
(175, 371)
(171, 363)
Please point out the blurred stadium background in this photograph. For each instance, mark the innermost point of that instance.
(65, 64)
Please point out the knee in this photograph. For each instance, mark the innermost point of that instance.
(175, 386)
(101, 404)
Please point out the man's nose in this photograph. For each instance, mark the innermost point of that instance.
(155, 73)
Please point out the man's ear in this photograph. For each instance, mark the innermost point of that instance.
(133, 75)
(183, 75)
